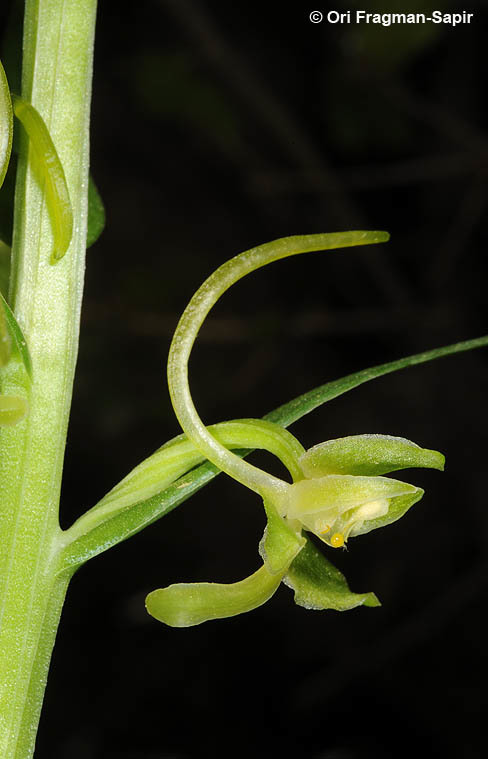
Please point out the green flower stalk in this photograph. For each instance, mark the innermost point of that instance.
(338, 489)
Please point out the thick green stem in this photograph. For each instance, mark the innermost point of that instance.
(46, 299)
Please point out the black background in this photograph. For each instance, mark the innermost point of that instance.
(217, 127)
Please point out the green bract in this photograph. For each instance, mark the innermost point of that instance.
(50, 170)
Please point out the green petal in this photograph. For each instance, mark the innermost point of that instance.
(280, 543)
(398, 507)
(367, 455)
(338, 493)
(12, 409)
(319, 585)
(184, 605)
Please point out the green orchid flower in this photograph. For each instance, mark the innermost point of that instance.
(338, 489)
(324, 501)
(343, 494)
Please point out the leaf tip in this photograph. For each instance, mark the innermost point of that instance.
(371, 600)
(56, 256)
(440, 462)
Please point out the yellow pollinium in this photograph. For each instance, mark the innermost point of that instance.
(337, 540)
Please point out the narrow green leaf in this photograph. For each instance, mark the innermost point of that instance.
(319, 585)
(6, 124)
(293, 410)
(93, 537)
(96, 214)
(12, 410)
(46, 161)
(280, 543)
(145, 512)
(119, 510)
(179, 455)
(184, 605)
(18, 339)
(367, 455)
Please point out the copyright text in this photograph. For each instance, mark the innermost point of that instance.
(389, 19)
